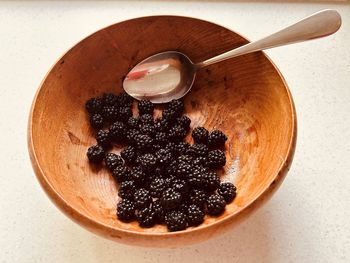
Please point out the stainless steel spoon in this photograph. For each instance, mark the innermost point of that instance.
(170, 75)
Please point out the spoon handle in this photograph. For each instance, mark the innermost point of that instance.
(320, 24)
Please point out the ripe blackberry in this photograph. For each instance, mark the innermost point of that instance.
(138, 175)
(197, 150)
(113, 160)
(124, 99)
(198, 197)
(183, 170)
(161, 138)
(171, 168)
(160, 172)
(212, 181)
(203, 161)
(177, 106)
(169, 116)
(215, 205)
(183, 207)
(145, 107)
(142, 198)
(156, 147)
(146, 119)
(121, 173)
(197, 177)
(177, 133)
(126, 210)
(200, 135)
(161, 125)
(127, 189)
(117, 131)
(228, 191)
(131, 136)
(133, 122)
(148, 129)
(157, 187)
(146, 216)
(171, 147)
(103, 138)
(94, 105)
(147, 162)
(184, 121)
(95, 153)
(129, 154)
(185, 159)
(217, 139)
(143, 142)
(96, 121)
(216, 159)
(125, 113)
(109, 99)
(158, 209)
(181, 186)
(181, 148)
(170, 199)
(195, 216)
(175, 221)
(110, 112)
(164, 157)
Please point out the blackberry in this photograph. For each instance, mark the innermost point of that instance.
(175, 221)
(181, 186)
(158, 209)
(157, 147)
(181, 148)
(183, 170)
(143, 142)
(125, 113)
(124, 99)
(195, 216)
(197, 197)
(146, 217)
(203, 161)
(171, 168)
(200, 135)
(157, 187)
(171, 147)
(110, 112)
(145, 107)
(127, 189)
(160, 172)
(161, 125)
(184, 121)
(126, 210)
(103, 138)
(197, 177)
(197, 150)
(147, 162)
(94, 105)
(177, 133)
(142, 198)
(131, 136)
(109, 99)
(169, 116)
(128, 154)
(216, 159)
(170, 199)
(185, 159)
(177, 106)
(161, 138)
(217, 139)
(183, 207)
(215, 205)
(228, 191)
(138, 175)
(133, 122)
(164, 157)
(212, 181)
(121, 173)
(146, 119)
(113, 160)
(148, 129)
(95, 153)
(117, 131)
(96, 121)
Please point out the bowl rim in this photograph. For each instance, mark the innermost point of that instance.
(93, 224)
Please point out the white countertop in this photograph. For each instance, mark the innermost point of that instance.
(307, 220)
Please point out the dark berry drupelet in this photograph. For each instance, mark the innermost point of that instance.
(148, 129)
(215, 205)
(158, 209)
(164, 157)
(121, 173)
(147, 161)
(175, 221)
(110, 112)
(131, 136)
(181, 186)
(177, 133)
(117, 131)
(184, 121)
(142, 198)
(197, 177)
(145, 107)
(200, 135)
(171, 168)
(185, 159)
(198, 197)
(170, 199)
(183, 170)
(216, 159)
(195, 215)
(112, 161)
(94, 105)
(129, 154)
(212, 181)
(146, 216)
(127, 189)
(157, 187)
(181, 148)
(228, 191)
(126, 210)
(138, 175)
(161, 125)
(143, 142)
(95, 153)
(125, 113)
(103, 138)
(171, 146)
(133, 122)
(197, 150)
(96, 121)
(217, 139)
(109, 99)
(124, 99)
(161, 138)
(146, 119)
(202, 161)
(176, 106)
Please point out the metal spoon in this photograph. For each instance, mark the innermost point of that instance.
(170, 75)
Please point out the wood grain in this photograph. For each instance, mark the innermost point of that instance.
(246, 97)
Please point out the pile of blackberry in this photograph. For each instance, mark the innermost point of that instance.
(162, 179)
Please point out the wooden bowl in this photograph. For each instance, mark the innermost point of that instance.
(246, 97)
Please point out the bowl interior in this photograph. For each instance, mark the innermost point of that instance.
(245, 97)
